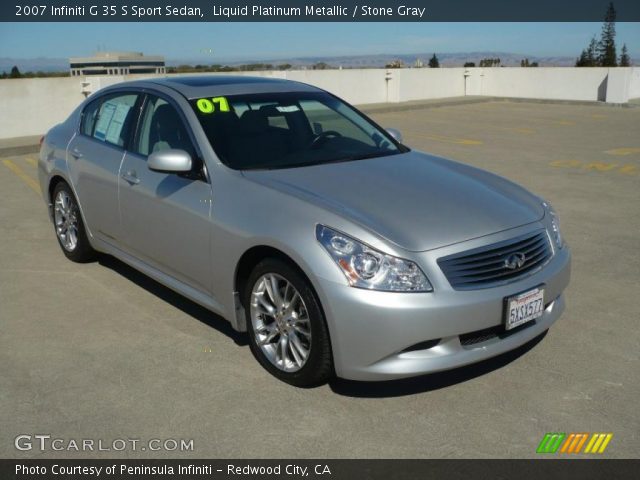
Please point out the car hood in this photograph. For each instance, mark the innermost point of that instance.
(417, 201)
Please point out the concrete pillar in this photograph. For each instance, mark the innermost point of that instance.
(618, 83)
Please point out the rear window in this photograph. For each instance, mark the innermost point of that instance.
(109, 119)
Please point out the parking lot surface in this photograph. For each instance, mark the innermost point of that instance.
(99, 351)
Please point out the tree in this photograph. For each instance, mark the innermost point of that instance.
(588, 57)
(490, 62)
(320, 66)
(284, 66)
(625, 61)
(607, 56)
(525, 63)
(434, 63)
(15, 72)
(469, 64)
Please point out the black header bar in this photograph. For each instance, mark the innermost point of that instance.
(315, 11)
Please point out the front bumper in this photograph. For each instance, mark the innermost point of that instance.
(371, 331)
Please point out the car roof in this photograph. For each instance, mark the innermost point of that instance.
(198, 86)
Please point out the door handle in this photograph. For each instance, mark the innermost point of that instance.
(75, 153)
(130, 177)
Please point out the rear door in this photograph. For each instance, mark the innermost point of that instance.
(95, 155)
(165, 217)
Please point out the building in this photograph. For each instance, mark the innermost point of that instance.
(116, 63)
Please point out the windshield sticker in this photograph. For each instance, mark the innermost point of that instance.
(211, 105)
(287, 108)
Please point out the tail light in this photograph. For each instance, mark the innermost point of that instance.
(41, 140)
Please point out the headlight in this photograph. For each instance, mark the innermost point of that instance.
(555, 225)
(368, 268)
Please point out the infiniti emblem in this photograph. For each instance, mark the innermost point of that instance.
(514, 261)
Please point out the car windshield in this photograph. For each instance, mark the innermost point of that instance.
(286, 130)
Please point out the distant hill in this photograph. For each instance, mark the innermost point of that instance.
(446, 59)
(35, 64)
(507, 59)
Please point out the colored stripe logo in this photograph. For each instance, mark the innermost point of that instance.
(574, 442)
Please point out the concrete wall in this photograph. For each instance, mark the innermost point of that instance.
(32, 106)
(634, 83)
(420, 83)
(588, 84)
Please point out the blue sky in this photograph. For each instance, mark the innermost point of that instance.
(244, 41)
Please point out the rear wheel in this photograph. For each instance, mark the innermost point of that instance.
(287, 330)
(69, 227)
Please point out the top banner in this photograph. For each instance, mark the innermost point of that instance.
(315, 11)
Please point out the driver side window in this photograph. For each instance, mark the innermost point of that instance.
(162, 128)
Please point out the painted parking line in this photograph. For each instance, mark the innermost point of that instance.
(32, 161)
(601, 167)
(622, 152)
(445, 139)
(33, 184)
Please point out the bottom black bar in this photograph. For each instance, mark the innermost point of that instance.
(546, 469)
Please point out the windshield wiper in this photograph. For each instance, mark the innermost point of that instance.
(282, 166)
(364, 156)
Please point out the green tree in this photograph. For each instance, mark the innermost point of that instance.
(625, 61)
(588, 57)
(15, 72)
(284, 66)
(469, 64)
(607, 56)
(320, 66)
(434, 62)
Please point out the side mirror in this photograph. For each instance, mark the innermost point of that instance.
(170, 161)
(395, 134)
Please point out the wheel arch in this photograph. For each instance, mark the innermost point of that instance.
(247, 262)
(53, 183)
(254, 255)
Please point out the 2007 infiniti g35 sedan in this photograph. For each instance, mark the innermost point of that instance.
(289, 213)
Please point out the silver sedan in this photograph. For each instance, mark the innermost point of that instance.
(295, 217)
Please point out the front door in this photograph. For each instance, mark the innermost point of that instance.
(165, 217)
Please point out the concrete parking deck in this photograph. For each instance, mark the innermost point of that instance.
(99, 351)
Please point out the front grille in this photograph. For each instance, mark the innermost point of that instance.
(485, 266)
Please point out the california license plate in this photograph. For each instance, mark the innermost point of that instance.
(524, 307)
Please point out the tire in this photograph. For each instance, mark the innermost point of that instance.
(69, 227)
(295, 322)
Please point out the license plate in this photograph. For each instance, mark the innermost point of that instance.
(524, 307)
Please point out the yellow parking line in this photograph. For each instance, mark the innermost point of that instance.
(32, 161)
(23, 176)
(445, 139)
(623, 151)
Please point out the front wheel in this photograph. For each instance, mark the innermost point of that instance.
(69, 227)
(287, 330)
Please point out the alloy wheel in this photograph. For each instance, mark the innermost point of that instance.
(65, 214)
(280, 321)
